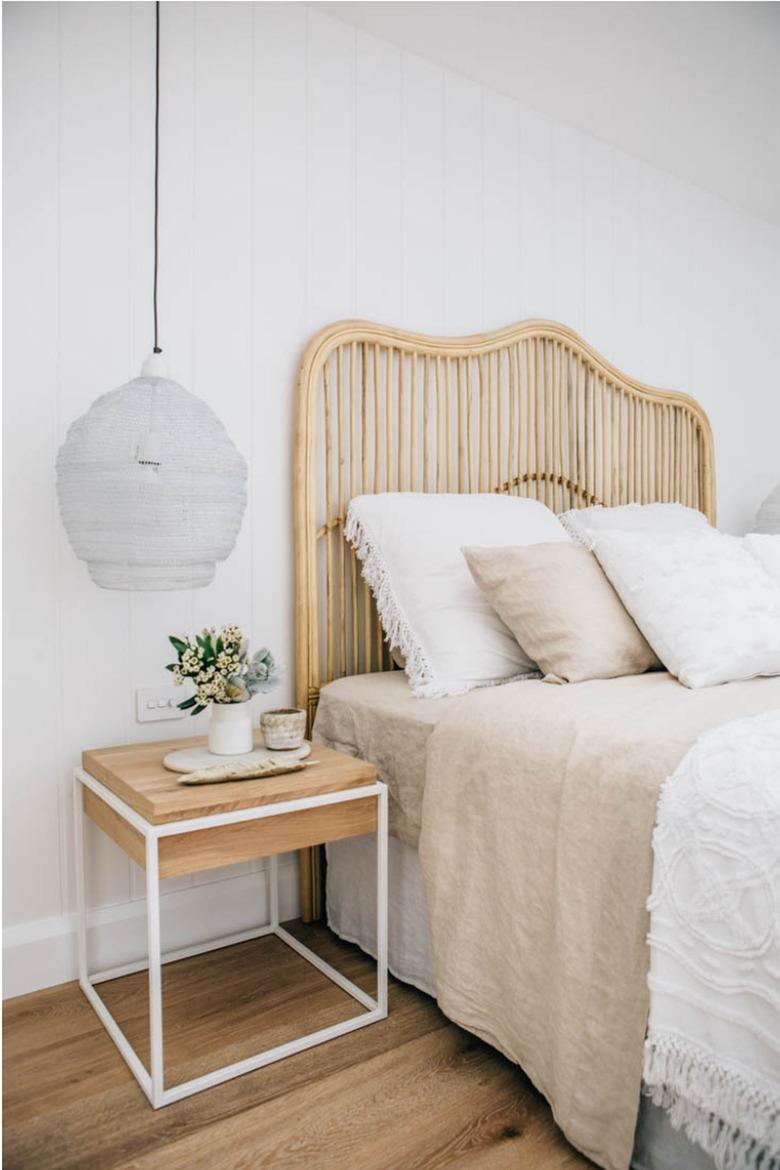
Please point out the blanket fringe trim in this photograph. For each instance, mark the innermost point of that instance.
(681, 1079)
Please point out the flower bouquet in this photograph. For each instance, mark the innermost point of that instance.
(219, 666)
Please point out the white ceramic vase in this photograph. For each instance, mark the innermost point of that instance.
(230, 729)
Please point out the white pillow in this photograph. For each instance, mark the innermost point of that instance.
(432, 611)
(765, 547)
(705, 605)
(583, 524)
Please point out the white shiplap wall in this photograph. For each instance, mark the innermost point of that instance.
(309, 172)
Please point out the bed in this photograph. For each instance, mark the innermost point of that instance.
(530, 411)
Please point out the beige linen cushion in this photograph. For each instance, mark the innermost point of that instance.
(562, 610)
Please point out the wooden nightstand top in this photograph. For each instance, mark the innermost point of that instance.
(135, 774)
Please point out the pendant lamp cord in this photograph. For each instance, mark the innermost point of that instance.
(156, 158)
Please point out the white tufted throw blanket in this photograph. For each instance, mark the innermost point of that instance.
(712, 1055)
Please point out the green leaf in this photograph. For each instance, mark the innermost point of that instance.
(185, 704)
(172, 666)
(177, 643)
(205, 644)
(197, 710)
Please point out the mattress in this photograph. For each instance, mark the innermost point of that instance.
(376, 717)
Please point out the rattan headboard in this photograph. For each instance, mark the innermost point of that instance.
(530, 409)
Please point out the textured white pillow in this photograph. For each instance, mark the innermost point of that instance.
(705, 605)
(584, 524)
(431, 610)
(765, 547)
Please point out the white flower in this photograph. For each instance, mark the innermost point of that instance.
(232, 635)
(191, 660)
(208, 692)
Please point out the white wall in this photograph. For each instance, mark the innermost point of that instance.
(309, 172)
(660, 81)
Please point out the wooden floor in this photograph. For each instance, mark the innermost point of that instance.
(412, 1091)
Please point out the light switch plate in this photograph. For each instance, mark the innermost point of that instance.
(155, 703)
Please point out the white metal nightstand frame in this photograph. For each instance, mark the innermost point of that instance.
(152, 1082)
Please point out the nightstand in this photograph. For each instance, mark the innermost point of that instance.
(171, 829)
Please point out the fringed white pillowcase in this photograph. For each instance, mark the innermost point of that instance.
(583, 524)
(430, 608)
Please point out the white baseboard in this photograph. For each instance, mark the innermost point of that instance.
(43, 953)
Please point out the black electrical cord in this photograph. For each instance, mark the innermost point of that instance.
(156, 158)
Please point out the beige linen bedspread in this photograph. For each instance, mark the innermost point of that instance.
(538, 812)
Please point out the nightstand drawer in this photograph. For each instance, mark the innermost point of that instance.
(203, 849)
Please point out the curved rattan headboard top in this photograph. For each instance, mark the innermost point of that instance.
(530, 409)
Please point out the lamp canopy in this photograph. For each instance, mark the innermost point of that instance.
(151, 489)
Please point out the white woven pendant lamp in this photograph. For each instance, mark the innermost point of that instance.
(151, 489)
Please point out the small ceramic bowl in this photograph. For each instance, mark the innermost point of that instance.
(283, 729)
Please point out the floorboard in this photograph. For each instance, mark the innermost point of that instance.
(411, 1092)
